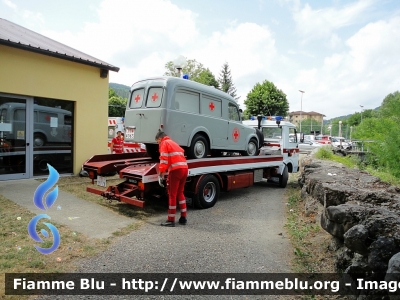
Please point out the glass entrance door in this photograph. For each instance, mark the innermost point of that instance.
(14, 145)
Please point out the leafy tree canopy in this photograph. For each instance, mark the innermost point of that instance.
(207, 78)
(116, 104)
(192, 68)
(266, 99)
(196, 71)
(355, 119)
(391, 105)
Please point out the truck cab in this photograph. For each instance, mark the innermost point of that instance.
(280, 138)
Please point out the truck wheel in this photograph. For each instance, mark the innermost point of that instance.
(252, 148)
(208, 192)
(283, 179)
(38, 140)
(198, 147)
(152, 151)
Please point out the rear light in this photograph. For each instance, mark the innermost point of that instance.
(141, 186)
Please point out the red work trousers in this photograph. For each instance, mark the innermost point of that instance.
(176, 180)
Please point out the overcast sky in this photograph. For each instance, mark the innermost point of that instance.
(343, 54)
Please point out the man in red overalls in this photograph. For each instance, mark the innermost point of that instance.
(117, 144)
(172, 158)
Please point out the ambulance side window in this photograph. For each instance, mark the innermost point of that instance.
(187, 101)
(136, 98)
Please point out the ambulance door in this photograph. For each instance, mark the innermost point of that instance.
(237, 132)
(133, 115)
(211, 110)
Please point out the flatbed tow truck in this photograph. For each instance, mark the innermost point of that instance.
(207, 177)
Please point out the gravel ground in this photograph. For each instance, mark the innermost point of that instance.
(243, 233)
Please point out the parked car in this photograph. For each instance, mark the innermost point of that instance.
(323, 139)
(308, 145)
(340, 142)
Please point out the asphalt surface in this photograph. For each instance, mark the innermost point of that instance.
(243, 233)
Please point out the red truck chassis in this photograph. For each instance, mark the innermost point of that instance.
(206, 177)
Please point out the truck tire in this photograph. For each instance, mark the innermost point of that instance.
(283, 179)
(152, 151)
(39, 140)
(208, 192)
(251, 149)
(198, 147)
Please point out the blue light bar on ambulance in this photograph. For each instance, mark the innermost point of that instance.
(185, 76)
(271, 118)
(255, 118)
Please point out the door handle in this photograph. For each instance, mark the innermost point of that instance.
(27, 144)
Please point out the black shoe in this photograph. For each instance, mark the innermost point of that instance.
(182, 220)
(168, 224)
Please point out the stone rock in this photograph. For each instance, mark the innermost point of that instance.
(343, 259)
(393, 274)
(356, 239)
(380, 253)
(312, 207)
(335, 244)
(338, 219)
(362, 214)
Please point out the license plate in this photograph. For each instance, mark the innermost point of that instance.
(129, 133)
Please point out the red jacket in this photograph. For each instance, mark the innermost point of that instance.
(172, 156)
(118, 145)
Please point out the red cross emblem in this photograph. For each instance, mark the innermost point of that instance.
(137, 98)
(235, 135)
(154, 97)
(211, 106)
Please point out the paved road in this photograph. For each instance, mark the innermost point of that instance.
(243, 233)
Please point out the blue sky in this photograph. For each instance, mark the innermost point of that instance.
(343, 54)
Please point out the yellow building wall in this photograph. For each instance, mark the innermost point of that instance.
(36, 75)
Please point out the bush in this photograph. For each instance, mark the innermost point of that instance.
(324, 152)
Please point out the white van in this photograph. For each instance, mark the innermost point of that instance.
(51, 125)
(200, 118)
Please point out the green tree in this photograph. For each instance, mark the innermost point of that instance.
(390, 105)
(207, 77)
(116, 104)
(383, 129)
(195, 70)
(192, 68)
(226, 83)
(266, 99)
(355, 119)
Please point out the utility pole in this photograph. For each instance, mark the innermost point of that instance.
(301, 106)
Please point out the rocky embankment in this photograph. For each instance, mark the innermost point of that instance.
(362, 214)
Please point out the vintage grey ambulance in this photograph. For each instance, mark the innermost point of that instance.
(200, 118)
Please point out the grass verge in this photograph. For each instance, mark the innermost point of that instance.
(353, 161)
(309, 240)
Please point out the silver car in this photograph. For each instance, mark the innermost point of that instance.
(308, 145)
